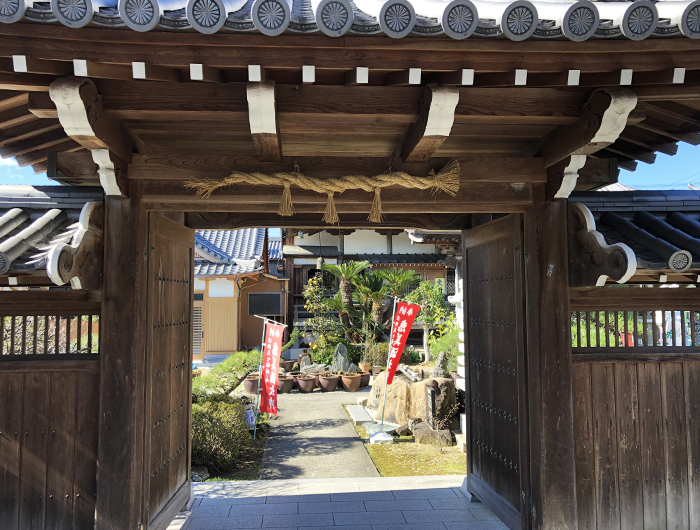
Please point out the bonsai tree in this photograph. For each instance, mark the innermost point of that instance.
(398, 280)
(433, 309)
(346, 273)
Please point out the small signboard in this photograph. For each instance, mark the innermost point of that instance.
(430, 395)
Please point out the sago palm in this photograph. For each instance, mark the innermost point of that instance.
(372, 292)
(398, 280)
(346, 273)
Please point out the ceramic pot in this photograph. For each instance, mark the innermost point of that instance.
(376, 370)
(294, 376)
(364, 379)
(285, 385)
(306, 384)
(328, 383)
(351, 382)
(301, 356)
(315, 376)
(365, 367)
(250, 384)
(287, 365)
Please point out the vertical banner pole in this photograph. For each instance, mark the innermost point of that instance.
(386, 386)
(257, 394)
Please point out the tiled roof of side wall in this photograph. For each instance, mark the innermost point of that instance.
(458, 19)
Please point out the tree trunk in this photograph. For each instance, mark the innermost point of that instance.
(346, 293)
(426, 348)
(377, 313)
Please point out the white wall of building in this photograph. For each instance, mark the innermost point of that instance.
(401, 244)
(199, 285)
(221, 288)
(327, 240)
(365, 242)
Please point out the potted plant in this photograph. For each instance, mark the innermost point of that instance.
(328, 381)
(315, 375)
(250, 383)
(285, 384)
(287, 365)
(351, 381)
(364, 379)
(306, 383)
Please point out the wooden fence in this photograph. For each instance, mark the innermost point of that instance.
(636, 393)
(49, 390)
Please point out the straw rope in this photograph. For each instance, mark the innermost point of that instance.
(447, 180)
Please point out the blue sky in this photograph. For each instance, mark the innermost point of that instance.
(669, 172)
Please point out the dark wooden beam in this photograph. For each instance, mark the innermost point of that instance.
(348, 222)
(27, 131)
(187, 167)
(549, 371)
(435, 120)
(42, 141)
(26, 82)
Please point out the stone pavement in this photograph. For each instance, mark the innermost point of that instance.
(390, 503)
(314, 438)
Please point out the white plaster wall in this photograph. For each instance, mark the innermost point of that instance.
(327, 240)
(312, 261)
(200, 285)
(401, 244)
(221, 288)
(365, 242)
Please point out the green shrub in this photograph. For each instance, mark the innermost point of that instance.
(225, 376)
(220, 436)
(325, 347)
(381, 355)
(449, 343)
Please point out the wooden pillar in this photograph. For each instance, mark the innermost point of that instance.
(553, 493)
(122, 364)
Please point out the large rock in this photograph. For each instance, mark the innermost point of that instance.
(423, 434)
(445, 397)
(397, 399)
(304, 362)
(341, 362)
(314, 368)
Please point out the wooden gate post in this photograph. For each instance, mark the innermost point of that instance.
(122, 364)
(552, 467)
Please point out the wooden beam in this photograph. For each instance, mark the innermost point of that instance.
(262, 115)
(437, 114)
(26, 82)
(79, 108)
(549, 370)
(207, 74)
(112, 171)
(77, 169)
(516, 77)
(29, 65)
(185, 167)
(411, 76)
(83, 68)
(154, 72)
(38, 156)
(358, 76)
(350, 221)
(42, 141)
(27, 131)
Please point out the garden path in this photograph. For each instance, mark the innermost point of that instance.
(368, 503)
(313, 438)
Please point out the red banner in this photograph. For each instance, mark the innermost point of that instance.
(401, 327)
(271, 367)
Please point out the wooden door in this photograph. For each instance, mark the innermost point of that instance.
(168, 371)
(497, 453)
(198, 348)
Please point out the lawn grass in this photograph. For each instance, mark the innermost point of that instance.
(405, 458)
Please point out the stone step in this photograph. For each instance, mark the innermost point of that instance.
(358, 414)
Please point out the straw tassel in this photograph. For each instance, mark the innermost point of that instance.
(447, 179)
(286, 207)
(331, 214)
(375, 214)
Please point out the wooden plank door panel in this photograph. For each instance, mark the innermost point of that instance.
(496, 359)
(168, 363)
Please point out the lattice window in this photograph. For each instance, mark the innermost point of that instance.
(50, 334)
(648, 330)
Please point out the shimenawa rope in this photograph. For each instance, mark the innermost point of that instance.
(447, 180)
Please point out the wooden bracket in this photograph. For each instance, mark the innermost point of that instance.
(437, 114)
(591, 259)
(112, 171)
(562, 177)
(603, 118)
(80, 262)
(80, 112)
(262, 114)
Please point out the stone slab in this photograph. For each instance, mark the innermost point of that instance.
(358, 414)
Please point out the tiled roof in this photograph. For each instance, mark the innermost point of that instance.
(398, 258)
(35, 219)
(458, 19)
(233, 251)
(661, 227)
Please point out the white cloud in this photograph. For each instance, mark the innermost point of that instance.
(8, 162)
